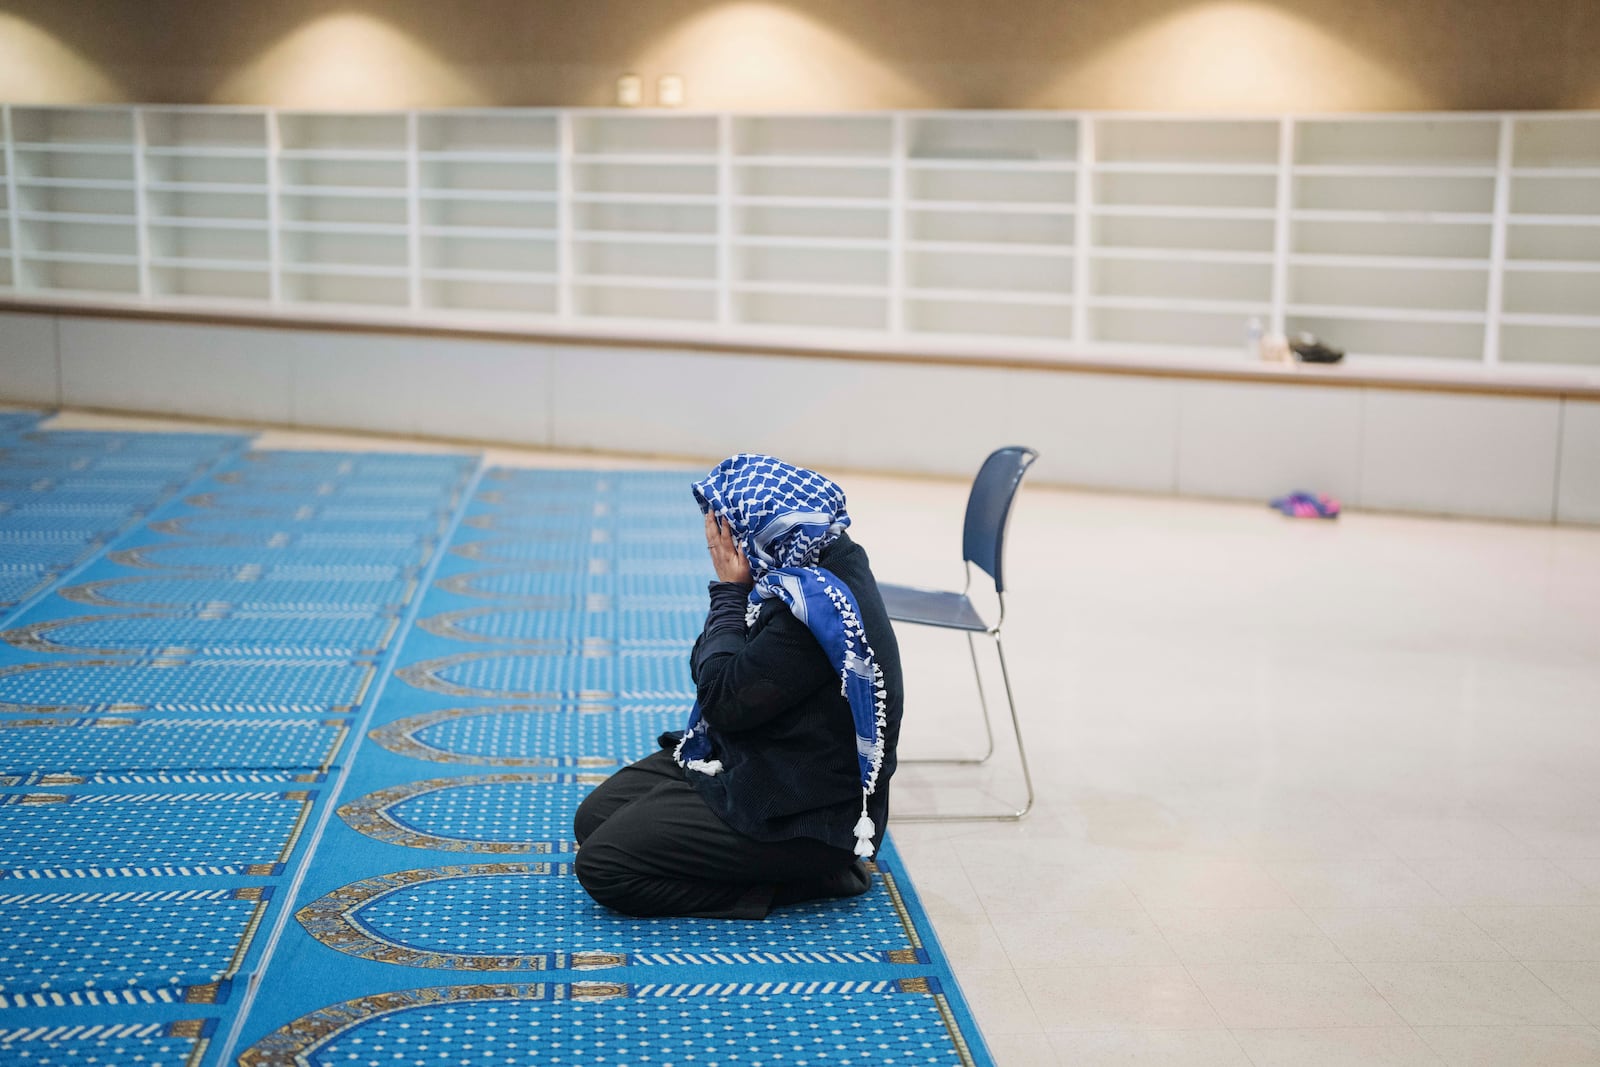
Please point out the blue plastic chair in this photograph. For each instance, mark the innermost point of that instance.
(983, 542)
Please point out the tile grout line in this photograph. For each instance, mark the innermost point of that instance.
(358, 733)
(1460, 910)
(1353, 964)
(1565, 1002)
(126, 530)
(1144, 909)
(988, 920)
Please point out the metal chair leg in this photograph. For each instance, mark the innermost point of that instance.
(1016, 728)
(988, 726)
(1022, 755)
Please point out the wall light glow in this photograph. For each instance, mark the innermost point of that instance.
(349, 60)
(755, 55)
(35, 67)
(1232, 55)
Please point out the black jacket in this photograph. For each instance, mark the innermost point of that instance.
(778, 721)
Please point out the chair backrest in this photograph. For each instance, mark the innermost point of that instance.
(994, 490)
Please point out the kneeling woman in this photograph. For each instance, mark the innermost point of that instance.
(778, 788)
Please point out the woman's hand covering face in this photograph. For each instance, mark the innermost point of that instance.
(726, 556)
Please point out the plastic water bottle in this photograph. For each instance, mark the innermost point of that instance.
(1252, 338)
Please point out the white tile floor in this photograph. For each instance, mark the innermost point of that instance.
(1309, 793)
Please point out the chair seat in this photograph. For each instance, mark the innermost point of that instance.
(931, 607)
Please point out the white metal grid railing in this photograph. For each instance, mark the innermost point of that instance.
(1465, 240)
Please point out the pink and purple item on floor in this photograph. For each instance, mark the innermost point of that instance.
(1302, 505)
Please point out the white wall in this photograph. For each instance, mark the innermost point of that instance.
(28, 366)
(1579, 487)
(1498, 457)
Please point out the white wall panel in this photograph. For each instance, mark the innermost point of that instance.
(1260, 441)
(484, 391)
(1401, 450)
(1578, 494)
(1111, 432)
(1097, 431)
(1100, 431)
(1460, 455)
(349, 381)
(933, 420)
(695, 405)
(440, 387)
(222, 372)
(28, 359)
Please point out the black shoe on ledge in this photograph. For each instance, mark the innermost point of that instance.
(1310, 350)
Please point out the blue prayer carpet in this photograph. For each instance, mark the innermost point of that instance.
(290, 745)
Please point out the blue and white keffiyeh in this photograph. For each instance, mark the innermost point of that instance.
(782, 517)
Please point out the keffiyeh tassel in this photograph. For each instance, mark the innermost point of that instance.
(711, 767)
(865, 831)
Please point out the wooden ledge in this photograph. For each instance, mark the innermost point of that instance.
(1577, 383)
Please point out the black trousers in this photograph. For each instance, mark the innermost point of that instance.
(649, 846)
